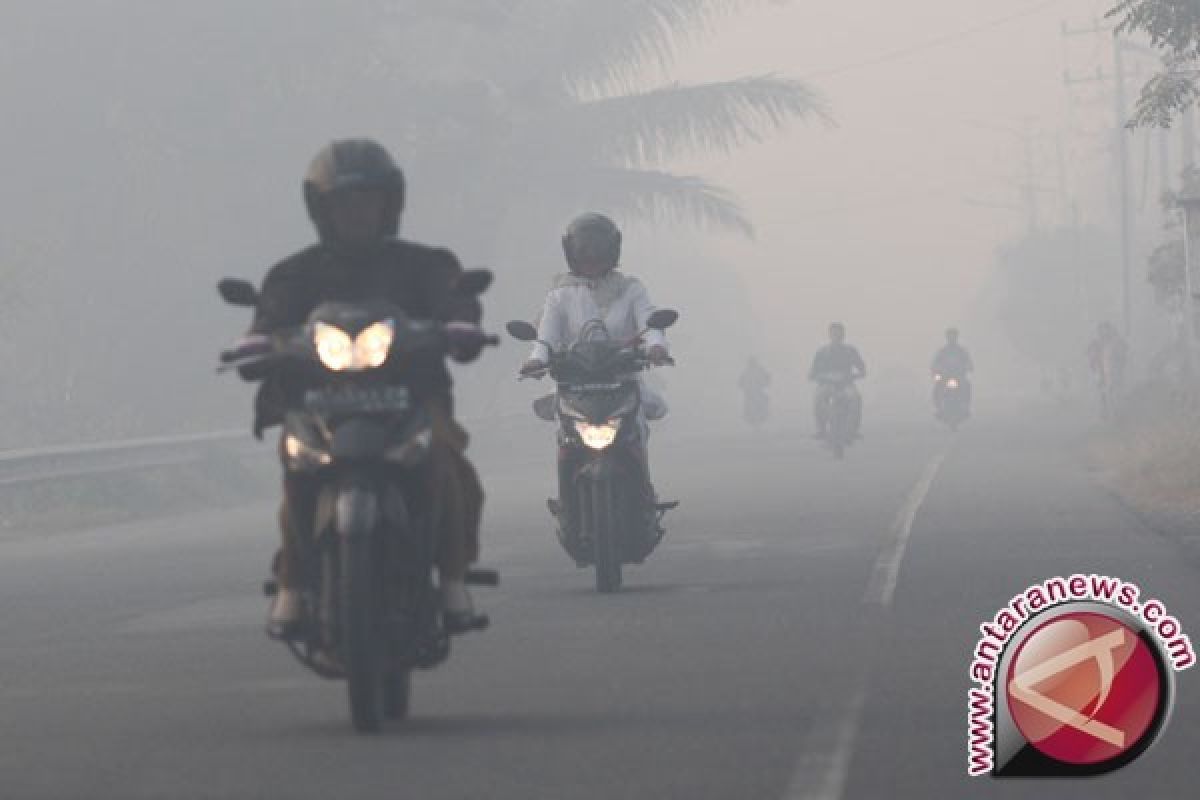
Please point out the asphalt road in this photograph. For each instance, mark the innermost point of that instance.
(803, 632)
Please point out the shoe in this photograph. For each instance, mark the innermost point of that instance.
(458, 611)
(286, 617)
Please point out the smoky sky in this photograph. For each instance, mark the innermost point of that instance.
(154, 147)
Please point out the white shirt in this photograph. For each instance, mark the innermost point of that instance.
(619, 301)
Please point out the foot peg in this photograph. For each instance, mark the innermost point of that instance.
(667, 506)
(457, 622)
(482, 577)
(285, 631)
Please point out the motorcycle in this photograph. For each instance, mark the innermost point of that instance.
(837, 395)
(756, 408)
(606, 512)
(953, 399)
(371, 611)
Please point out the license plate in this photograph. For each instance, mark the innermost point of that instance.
(358, 400)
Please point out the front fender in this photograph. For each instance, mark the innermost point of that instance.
(356, 511)
(603, 466)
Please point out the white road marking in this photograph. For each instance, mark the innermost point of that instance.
(825, 761)
(824, 764)
(882, 585)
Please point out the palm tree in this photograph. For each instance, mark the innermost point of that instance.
(542, 101)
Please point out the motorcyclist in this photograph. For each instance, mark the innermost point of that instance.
(1107, 354)
(951, 361)
(355, 194)
(594, 288)
(754, 382)
(836, 359)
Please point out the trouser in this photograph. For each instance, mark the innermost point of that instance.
(455, 492)
(821, 407)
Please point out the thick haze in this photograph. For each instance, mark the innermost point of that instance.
(156, 146)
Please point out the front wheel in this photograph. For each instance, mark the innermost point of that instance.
(839, 433)
(397, 691)
(362, 645)
(603, 533)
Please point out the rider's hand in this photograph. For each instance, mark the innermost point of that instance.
(532, 365)
(658, 355)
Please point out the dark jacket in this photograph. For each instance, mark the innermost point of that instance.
(953, 360)
(417, 278)
(837, 358)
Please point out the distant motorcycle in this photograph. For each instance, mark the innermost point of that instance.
(837, 393)
(606, 512)
(756, 407)
(756, 403)
(372, 613)
(953, 399)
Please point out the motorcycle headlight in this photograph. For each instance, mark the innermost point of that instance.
(373, 344)
(952, 383)
(598, 437)
(302, 454)
(334, 347)
(339, 352)
(937, 378)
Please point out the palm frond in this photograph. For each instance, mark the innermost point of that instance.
(635, 195)
(591, 46)
(651, 127)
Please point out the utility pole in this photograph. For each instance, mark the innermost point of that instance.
(1028, 186)
(1123, 173)
(1121, 146)
(1187, 143)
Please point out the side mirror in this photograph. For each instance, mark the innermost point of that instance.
(662, 319)
(546, 407)
(473, 282)
(238, 292)
(521, 330)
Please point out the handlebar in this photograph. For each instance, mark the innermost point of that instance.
(456, 337)
(639, 361)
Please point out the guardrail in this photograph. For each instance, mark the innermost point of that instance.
(37, 465)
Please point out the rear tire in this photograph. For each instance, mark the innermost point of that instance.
(362, 644)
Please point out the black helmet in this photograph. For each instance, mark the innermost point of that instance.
(592, 238)
(353, 164)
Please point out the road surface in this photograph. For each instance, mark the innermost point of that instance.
(803, 632)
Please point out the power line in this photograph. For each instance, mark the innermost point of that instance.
(940, 41)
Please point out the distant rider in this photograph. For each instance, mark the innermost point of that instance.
(951, 361)
(754, 382)
(837, 363)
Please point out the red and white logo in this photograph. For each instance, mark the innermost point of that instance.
(1085, 689)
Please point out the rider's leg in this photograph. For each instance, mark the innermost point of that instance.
(295, 526)
(457, 497)
(821, 411)
(856, 412)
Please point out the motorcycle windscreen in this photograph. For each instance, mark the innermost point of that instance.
(600, 405)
